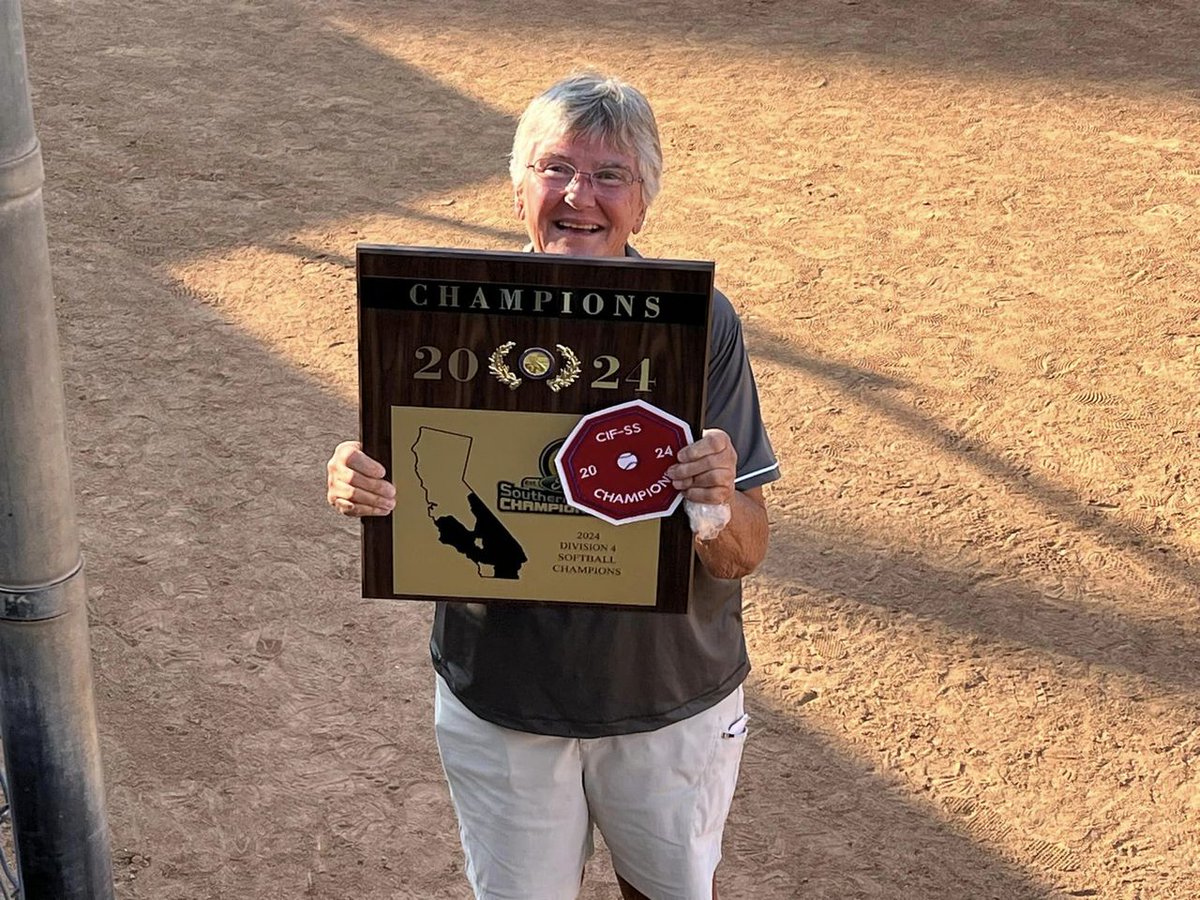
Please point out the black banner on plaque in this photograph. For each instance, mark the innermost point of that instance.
(474, 366)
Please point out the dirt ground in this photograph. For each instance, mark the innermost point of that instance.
(963, 237)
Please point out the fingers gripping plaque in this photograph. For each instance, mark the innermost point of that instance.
(613, 463)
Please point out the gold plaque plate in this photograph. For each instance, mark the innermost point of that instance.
(477, 517)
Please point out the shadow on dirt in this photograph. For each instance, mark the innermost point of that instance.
(852, 830)
(999, 605)
(210, 135)
(1124, 46)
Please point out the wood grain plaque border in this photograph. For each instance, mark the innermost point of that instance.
(432, 325)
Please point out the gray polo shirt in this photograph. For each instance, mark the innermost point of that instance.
(578, 672)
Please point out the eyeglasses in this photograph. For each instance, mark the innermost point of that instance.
(559, 175)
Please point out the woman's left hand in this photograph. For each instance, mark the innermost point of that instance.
(705, 470)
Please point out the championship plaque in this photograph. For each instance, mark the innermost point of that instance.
(475, 368)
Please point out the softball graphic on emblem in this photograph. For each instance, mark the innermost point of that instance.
(627, 460)
(536, 362)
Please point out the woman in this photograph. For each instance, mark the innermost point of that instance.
(551, 720)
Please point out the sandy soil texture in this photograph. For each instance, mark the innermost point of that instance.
(964, 240)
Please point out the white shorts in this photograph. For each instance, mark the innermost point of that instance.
(526, 803)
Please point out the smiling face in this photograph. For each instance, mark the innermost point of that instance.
(578, 220)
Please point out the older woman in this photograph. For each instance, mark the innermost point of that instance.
(553, 720)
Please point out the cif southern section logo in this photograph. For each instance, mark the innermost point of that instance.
(541, 493)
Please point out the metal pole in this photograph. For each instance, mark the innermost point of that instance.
(47, 716)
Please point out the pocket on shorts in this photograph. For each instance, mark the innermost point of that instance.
(721, 773)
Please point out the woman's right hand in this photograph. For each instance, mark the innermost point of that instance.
(356, 483)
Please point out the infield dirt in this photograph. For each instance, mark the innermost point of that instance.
(963, 239)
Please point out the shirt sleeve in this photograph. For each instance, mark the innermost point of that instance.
(732, 402)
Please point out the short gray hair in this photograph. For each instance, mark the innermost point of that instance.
(590, 104)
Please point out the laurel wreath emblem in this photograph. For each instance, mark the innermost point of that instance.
(568, 373)
(498, 367)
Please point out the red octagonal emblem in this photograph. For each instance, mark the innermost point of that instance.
(613, 463)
